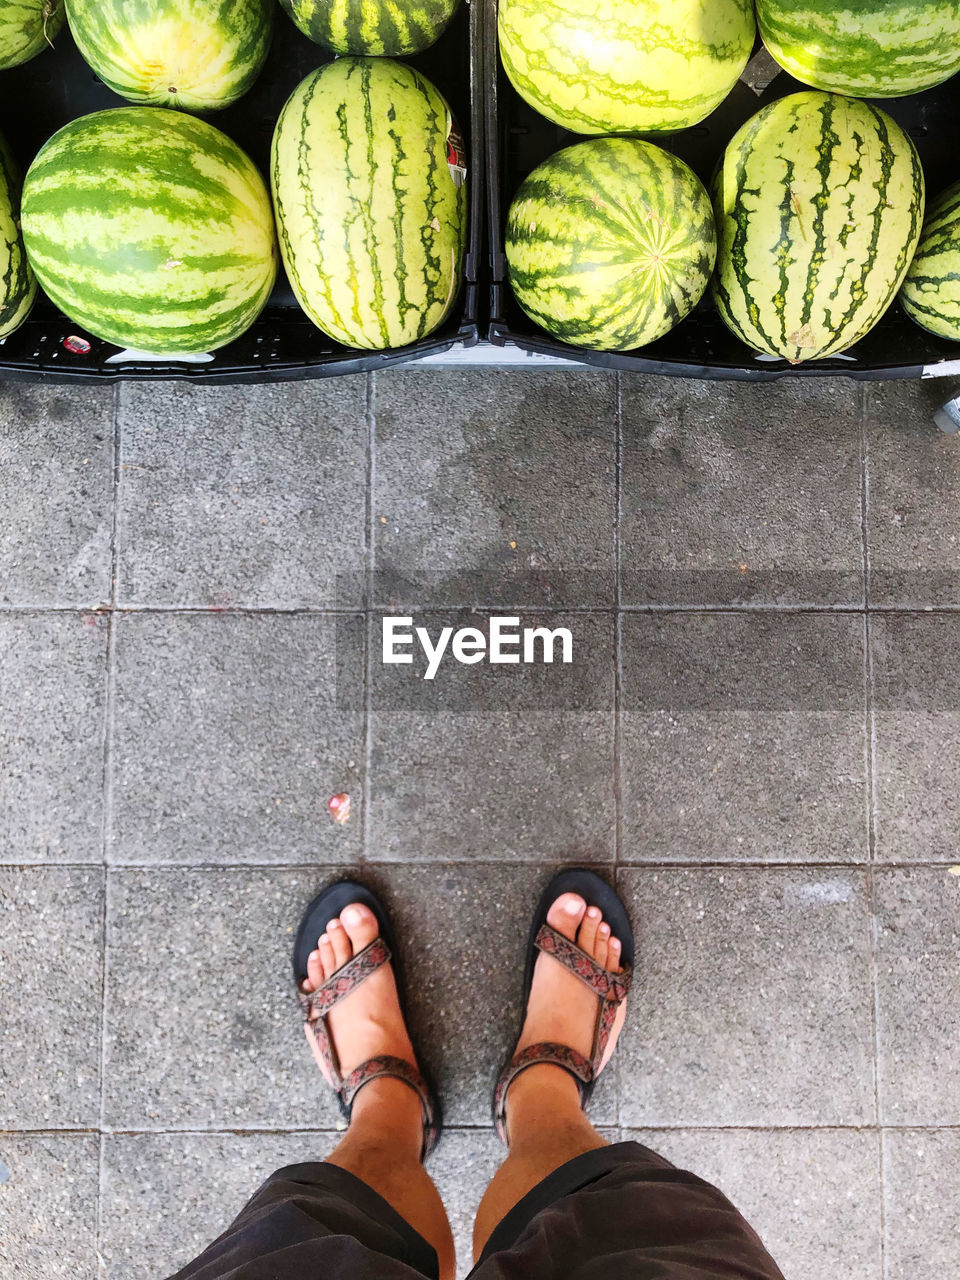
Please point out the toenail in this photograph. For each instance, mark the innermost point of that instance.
(615, 943)
(334, 924)
(323, 938)
(573, 907)
(604, 929)
(593, 913)
(353, 915)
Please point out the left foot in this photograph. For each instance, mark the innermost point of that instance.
(368, 1023)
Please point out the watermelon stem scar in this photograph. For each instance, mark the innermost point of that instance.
(48, 10)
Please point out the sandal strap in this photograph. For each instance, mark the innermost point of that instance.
(559, 1055)
(346, 980)
(608, 986)
(387, 1066)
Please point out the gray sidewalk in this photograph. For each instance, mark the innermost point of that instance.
(758, 739)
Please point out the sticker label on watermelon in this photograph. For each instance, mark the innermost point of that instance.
(456, 153)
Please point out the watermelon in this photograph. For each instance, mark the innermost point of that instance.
(18, 286)
(368, 186)
(151, 229)
(610, 243)
(623, 66)
(391, 27)
(866, 48)
(198, 54)
(931, 291)
(27, 27)
(819, 204)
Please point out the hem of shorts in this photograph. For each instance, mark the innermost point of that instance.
(564, 1181)
(420, 1254)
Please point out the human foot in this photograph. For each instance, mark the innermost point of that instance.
(367, 1023)
(561, 1008)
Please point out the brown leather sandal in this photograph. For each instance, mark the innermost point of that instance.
(611, 988)
(315, 1006)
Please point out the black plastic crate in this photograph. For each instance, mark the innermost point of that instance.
(518, 139)
(39, 97)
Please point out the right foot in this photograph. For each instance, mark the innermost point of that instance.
(561, 1008)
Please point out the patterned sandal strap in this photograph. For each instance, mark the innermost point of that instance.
(612, 988)
(559, 1055)
(608, 986)
(397, 1069)
(346, 979)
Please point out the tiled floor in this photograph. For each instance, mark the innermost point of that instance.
(757, 737)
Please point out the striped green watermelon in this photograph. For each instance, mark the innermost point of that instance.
(18, 285)
(866, 48)
(819, 204)
(151, 229)
(931, 291)
(27, 27)
(368, 186)
(391, 27)
(624, 66)
(198, 54)
(610, 243)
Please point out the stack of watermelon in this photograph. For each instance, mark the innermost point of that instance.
(818, 202)
(155, 231)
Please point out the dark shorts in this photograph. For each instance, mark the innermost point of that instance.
(617, 1212)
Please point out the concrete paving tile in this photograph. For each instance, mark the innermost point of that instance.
(219, 1043)
(736, 493)
(52, 697)
(242, 496)
(495, 488)
(916, 716)
(921, 1170)
(813, 1196)
(743, 738)
(48, 1206)
(465, 930)
(50, 977)
(229, 739)
(56, 494)
(167, 1196)
(918, 968)
(495, 762)
(753, 1004)
(913, 524)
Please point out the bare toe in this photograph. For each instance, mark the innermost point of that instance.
(587, 937)
(360, 925)
(325, 946)
(566, 913)
(314, 972)
(342, 950)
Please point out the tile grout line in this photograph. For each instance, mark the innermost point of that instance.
(527, 861)
(106, 808)
(617, 668)
(871, 797)
(370, 568)
(483, 1126)
(533, 607)
(618, 633)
